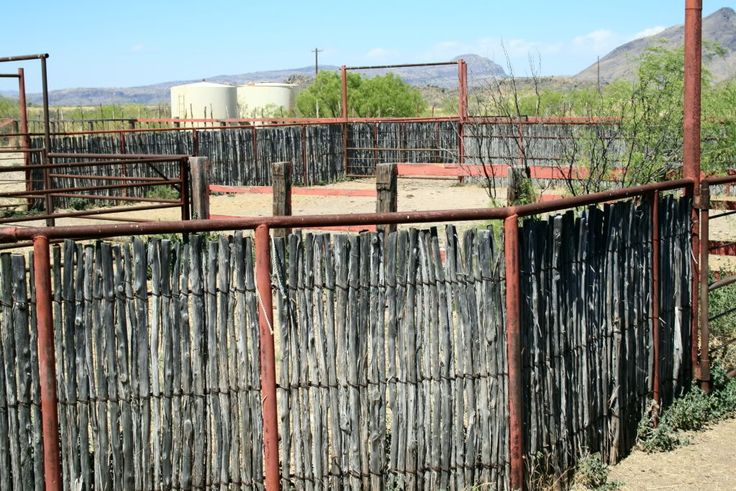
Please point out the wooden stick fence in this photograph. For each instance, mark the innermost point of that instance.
(393, 364)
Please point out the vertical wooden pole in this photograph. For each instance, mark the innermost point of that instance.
(267, 358)
(387, 193)
(513, 350)
(200, 188)
(281, 172)
(46, 363)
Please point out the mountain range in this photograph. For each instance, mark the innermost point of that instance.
(719, 29)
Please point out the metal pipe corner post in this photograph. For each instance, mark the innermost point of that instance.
(48, 199)
(267, 358)
(691, 152)
(656, 375)
(46, 363)
(344, 116)
(513, 351)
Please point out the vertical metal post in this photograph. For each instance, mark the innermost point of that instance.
(513, 350)
(267, 358)
(691, 149)
(123, 167)
(656, 376)
(344, 92)
(48, 199)
(344, 114)
(462, 108)
(46, 363)
(184, 190)
(705, 382)
(25, 139)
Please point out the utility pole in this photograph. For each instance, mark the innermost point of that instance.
(316, 61)
(316, 72)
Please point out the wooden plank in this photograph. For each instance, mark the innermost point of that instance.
(23, 367)
(198, 357)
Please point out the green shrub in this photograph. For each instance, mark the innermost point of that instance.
(691, 412)
(162, 192)
(79, 204)
(592, 473)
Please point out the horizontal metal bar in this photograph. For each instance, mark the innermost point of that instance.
(724, 214)
(62, 165)
(9, 234)
(123, 156)
(55, 191)
(157, 180)
(23, 57)
(20, 150)
(83, 213)
(9, 75)
(722, 282)
(98, 197)
(403, 65)
(715, 180)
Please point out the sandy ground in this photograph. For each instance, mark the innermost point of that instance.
(708, 463)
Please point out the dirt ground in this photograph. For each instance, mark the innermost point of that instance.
(708, 463)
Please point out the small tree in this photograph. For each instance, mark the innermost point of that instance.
(384, 96)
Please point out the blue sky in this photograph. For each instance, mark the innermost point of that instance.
(108, 43)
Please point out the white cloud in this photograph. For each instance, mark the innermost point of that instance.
(649, 31)
(600, 38)
(379, 54)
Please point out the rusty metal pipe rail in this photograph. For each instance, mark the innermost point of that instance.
(12, 234)
(128, 156)
(55, 191)
(98, 163)
(157, 180)
(82, 214)
(41, 56)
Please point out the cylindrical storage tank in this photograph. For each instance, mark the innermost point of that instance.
(266, 99)
(204, 100)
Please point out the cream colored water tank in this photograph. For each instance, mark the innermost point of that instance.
(204, 100)
(266, 99)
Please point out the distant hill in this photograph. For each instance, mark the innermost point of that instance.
(480, 70)
(622, 62)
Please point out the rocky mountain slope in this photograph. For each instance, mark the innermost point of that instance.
(718, 28)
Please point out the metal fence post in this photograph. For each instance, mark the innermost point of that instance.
(705, 383)
(46, 363)
(513, 350)
(656, 376)
(267, 358)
